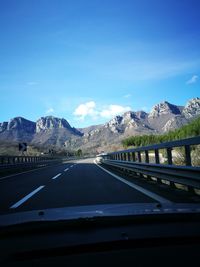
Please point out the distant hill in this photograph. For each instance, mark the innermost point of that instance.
(51, 131)
(163, 118)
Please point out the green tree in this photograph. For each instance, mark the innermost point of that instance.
(190, 130)
(79, 153)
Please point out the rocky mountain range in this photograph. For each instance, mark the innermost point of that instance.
(51, 131)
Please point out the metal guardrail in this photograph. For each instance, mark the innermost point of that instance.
(7, 162)
(132, 160)
(21, 159)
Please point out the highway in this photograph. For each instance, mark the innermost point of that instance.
(73, 183)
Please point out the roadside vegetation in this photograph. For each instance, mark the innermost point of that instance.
(187, 131)
(190, 130)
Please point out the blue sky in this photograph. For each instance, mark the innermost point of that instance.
(87, 61)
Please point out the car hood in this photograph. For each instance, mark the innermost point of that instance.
(95, 211)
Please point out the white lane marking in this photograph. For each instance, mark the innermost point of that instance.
(139, 188)
(71, 166)
(36, 169)
(26, 197)
(56, 176)
(66, 169)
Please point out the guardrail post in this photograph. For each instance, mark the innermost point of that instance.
(129, 159)
(139, 156)
(124, 156)
(133, 156)
(157, 160)
(169, 156)
(140, 160)
(146, 156)
(188, 161)
(170, 162)
(125, 159)
(147, 161)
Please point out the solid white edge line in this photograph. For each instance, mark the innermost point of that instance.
(17, 204)
(138, 188)
(56, 176)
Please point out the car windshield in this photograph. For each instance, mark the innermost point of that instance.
(99, 108)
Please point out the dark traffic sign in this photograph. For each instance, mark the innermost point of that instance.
(23, 147)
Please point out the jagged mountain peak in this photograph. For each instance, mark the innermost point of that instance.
(192, 108)
(141, 114)
(51, 122)
(20, 123)
(129, 115)
(17, 129)
(164, 108)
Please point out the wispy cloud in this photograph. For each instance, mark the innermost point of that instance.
(193, 79)
(127, 96)
(146, 109)
(133, 63)
(147, 70)
(50, 111)
(89, 109)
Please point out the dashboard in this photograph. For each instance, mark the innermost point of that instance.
(155, 241)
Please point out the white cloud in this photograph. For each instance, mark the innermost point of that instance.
(50, 110)
(89, 109)
(193, 79)
(113, 110)
(86, 109)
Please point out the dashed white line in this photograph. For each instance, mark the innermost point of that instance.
(66, 169)
(56, 176)
(26, 197)
(71, 166)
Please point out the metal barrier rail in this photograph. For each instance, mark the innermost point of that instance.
(8, 162)
(187, 175)
(21, 159)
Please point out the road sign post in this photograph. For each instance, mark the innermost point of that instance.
(22, 147)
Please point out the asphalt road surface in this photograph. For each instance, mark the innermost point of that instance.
(74, 183)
